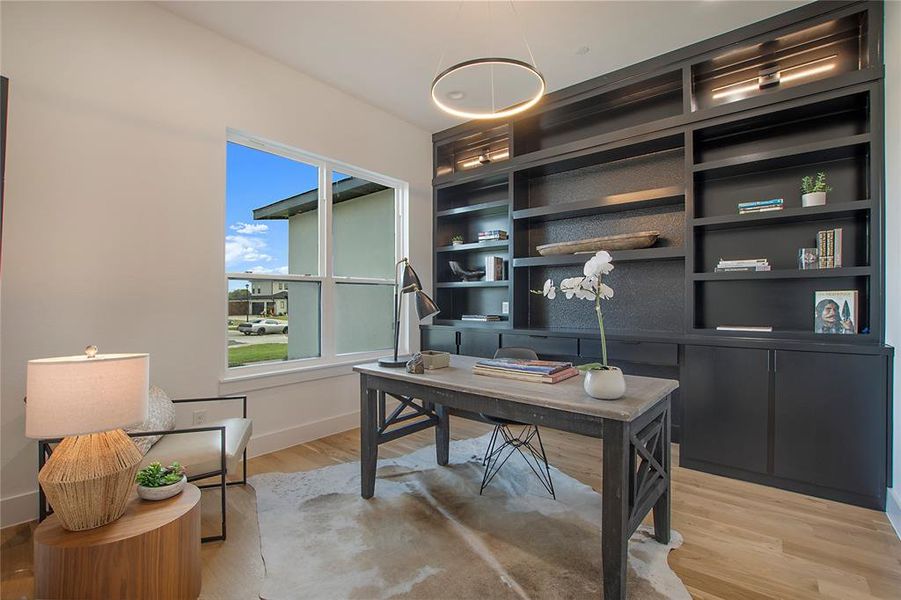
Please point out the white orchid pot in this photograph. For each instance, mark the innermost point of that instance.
(605, 384)
(813, 199)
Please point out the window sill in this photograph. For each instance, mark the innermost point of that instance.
(234, 383)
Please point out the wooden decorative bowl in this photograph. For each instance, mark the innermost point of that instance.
(622, 241)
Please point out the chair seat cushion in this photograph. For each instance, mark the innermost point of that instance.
(198, 452)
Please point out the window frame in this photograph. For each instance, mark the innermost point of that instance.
(328, 281)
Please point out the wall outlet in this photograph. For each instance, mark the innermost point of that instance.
(505, 308)
(199, 417)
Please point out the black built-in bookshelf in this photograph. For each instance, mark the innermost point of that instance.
(660, 146)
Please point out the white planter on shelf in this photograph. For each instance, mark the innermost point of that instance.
(605, 384)
(163, 492)
(813, 199)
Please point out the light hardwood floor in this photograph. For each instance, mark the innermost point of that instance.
(742, 541)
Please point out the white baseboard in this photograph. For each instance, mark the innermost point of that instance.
(24, 507)
(893, 508)
(19, 509)
(299, 434)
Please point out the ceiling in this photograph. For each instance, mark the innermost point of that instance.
(387, 53)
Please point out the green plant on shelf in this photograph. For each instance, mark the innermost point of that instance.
(156, 475)
(457, 239)
(812, 185)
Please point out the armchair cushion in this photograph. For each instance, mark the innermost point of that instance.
(160, 416)
(198, 452)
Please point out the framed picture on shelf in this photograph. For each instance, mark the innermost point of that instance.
(835, 312)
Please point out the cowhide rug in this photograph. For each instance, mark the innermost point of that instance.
(428, 534)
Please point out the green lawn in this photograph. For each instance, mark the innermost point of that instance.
(251, 353)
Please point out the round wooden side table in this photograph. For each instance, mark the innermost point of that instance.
(152, 551)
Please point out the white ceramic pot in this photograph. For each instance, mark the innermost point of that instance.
(813, 199)
(161, 493)
(605, 384)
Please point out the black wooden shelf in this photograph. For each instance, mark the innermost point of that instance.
(474, 246)
(788, 215)
(505, 324)
(789, 334)
(785, 274)
(665, 253)
(485, 208)
(471, 284)
(821, 151)
(613, 203)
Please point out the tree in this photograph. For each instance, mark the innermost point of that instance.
(241, 294)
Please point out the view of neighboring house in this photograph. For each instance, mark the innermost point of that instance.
(360, 208)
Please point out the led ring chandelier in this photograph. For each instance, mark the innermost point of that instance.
(478, 62)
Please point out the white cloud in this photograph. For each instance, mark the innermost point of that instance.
(239, 248)
(267, 271)
(249, 228)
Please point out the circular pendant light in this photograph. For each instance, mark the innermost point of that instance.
(490, 87)
(519, 73)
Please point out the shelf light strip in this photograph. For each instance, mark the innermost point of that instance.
(785, 75)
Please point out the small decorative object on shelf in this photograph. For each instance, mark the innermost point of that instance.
(746, 208)
(813, 190)
(435, 359)
(741, 265)
(829, 248)
(622, 241)
(457, 240)
(156, 482)
(492, 235)
(808, 258)
(465, 274)
(601, 380)
(415, 364)
(835, 312)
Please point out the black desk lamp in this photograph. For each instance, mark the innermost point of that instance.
(425, 307)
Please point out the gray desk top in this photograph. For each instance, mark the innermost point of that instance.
(641, 392)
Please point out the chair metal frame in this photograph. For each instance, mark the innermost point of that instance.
(45, 449)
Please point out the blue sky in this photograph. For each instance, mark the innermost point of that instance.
(253, 179)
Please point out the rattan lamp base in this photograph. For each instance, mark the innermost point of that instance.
(89, 478)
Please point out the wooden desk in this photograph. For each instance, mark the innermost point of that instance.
(635, 430)
(152, 551)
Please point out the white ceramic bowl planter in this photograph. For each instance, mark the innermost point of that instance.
(605, 384)
(813, 199)
(164, 491)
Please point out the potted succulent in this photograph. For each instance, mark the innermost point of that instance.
(156, 482)
(457, 240)
(813, 190)
(602, 381)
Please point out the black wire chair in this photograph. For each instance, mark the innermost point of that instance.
(510, 437)
(45, 449)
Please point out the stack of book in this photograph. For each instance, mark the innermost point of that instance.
(745, 208)
(747, 264)
(482, 318)
(493, 234)
(494, 268)
(829, 248)
(537, 371)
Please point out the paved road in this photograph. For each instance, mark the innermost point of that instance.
(236, 338)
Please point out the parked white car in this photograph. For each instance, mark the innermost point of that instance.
(263, 326)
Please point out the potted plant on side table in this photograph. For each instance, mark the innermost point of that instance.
(602, 381)
(156, 482)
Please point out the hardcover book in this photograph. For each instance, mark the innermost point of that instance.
(835, 312)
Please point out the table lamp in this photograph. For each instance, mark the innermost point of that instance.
(408, 283)
(87, 400)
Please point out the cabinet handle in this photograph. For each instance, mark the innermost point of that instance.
(540, 337)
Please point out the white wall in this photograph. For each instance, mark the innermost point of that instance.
(115, 186)
(893, 230)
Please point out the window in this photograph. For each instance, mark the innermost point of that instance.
(310, 252)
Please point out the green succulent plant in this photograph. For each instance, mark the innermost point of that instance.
(156, 475)
(810, 185)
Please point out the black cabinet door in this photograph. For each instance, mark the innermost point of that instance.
(479, 343)
(725, 400)
(830, 420)
(444, 340)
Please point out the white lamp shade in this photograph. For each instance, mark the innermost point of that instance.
(77, 395)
